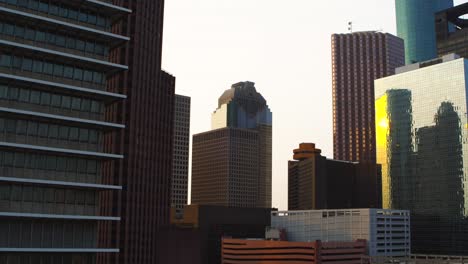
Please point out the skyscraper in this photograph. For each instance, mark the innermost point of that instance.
(315, 182)
(54, 71)
(231, 164)
(451, 31)
(146, 170)
(357, 60)
(421, 130)
(415, 25)
(181, 151)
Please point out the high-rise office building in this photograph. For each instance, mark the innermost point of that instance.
(181, 151)
(315, 182)
(451, 31)
(421, 131)
(357, 60)
(54, 71)
(146, 170)
(415, 25)
(231, 164)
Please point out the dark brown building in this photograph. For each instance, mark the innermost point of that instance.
(452, 31)
(196, 232)
(315, 182)
(145, 172)
(357, 60)
(225, 167)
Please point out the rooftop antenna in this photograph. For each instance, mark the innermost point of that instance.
(350, 26)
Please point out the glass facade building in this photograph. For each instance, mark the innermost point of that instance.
(422, 144)
(415, 24)
(54, 69)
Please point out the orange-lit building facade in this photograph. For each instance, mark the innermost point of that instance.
(242, 251)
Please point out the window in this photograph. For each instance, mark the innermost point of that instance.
(76, 103)
(58, 70)
(3, 91)
(27, 64)
(43, 129)
(40, 36)
(35, 97)
(13, 93)
(88, 76)
(63, 132)
(45, 98)
(48, 68)
(66, 102)
(89, 47)
(5, 60)
(56, 100)
(24, 95)
(8, 29)
(53, 131)
(16, 62)
(37, 66)
(78, 74)
(19, 31)
(83, 17)
(68, 72)
(74, 134)
(30, 34)
(32, 128)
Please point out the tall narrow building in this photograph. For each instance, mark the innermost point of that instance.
(181, 151)
(415, 25)
(146, 170)
(54, 72)
(231, 164)
(357, 60)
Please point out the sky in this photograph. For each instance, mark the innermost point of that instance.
(282, 46)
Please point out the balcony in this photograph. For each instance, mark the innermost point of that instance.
(58, 151)
(59, 119)
(55, 24)
(59, 85)
(57, 216)
(61, 57)
(68, 185)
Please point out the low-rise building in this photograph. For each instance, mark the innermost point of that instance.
(387, 231)
(245, 251)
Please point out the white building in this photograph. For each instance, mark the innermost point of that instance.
(387, 231)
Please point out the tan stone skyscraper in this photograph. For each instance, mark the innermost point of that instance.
(357, 60)
(231, 164)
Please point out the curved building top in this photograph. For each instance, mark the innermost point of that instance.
(242, 107)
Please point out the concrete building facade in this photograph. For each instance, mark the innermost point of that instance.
(387, 231)
(55, 67)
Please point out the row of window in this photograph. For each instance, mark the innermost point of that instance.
(46, 234)
(60, 10)
(44, 194)
(13, 93)
(51, 68)
(51, 131)
(60, 40)
(48, 162)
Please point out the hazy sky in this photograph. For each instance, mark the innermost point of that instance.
(282, 46)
